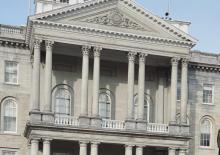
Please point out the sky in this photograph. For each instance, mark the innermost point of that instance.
(204, 16)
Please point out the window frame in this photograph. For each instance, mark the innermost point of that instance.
(110, 105)
(3, 114)
(211, 143)
(213, 92)
(11, 83)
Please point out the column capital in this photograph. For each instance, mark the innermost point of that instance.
(142, 57)
(129, 145)
(35, 140)
(175, 60)
(97, 51)
(85, 49)
(140, 146)
(47, 140)
(95, 142)
(83, 143)
(37, 43)
(131, 56)
(185, 61)
(182, 150)
(49, 43)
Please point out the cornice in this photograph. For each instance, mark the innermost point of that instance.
(131, 4)
(204, 67)
(14, 44)
(68, 27)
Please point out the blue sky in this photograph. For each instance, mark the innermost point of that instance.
(203, 14)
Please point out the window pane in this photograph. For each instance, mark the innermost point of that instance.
(207, 93)
(104, 105)
(62, 102)
(11, 73)
(9, 115)
(205, 133)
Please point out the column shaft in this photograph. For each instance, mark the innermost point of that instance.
(48, 76)
(34, 146)
(184, 91)
(171, 151)
(139, 150)
(46, 147)
(36, 77)
(84, 87)
(141, 86)
(128, 150)
(182, 152)
(174, 75)
(83, 148)
(94, 148)
(96, 79)
(131, 59)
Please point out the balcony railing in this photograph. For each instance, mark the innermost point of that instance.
(11, 29)
(66, 121)
(113, 124)
(157, 128)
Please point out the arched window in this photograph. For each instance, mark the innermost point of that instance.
(148, 108)
(9, 115)
(105, 104)
(205, 133)
(62, 102)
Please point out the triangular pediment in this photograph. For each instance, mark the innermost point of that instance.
(122, 16)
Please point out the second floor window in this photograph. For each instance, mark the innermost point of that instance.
(205, 135)
(9, 113)
(11, 72)
(105, 105)
(62, 102)
(208, 90)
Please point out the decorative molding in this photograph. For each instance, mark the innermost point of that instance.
(14, 44)
(185, 62)
(131, 56)
(115, 18)
(37, 43)
(204, 67)
(49, 44)
(97, 51)
(142, 57)
(175, 61)
(85, 50)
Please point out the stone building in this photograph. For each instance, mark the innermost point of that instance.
(105, 77)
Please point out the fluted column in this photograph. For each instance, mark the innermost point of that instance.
(34, 146)
(174, 76)
(36, 77)
(48, 76)
(128, 149)
(131, 65)
(83, 148)
(94, 148)
(141, 86)
(184, 91)
(182, 152)
(84, 86)
(46, 147)
(139, 150)
(171, 151)
(96, 78)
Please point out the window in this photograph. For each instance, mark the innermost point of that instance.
(8, 153)
(11, 72)
(62, 102)
(205, 135)
(105, 105)
(147, 108)
(9, 114)
(208, 94)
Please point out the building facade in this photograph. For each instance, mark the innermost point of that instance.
(104, 77)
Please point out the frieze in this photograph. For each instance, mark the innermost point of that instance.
(115, 18)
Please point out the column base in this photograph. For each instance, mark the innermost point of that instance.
(48, 117)
(35, 116)
(130, 124)
(141, 125)
(84, 121)
(96, 122)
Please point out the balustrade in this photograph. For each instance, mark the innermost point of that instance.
(66, 121)
(113, 124)
(157, 128)
(11, 29)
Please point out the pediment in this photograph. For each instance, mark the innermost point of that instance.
(122, 16)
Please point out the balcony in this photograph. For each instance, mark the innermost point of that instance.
(14, 32)
(110, 124)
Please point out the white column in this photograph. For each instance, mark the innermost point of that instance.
(131, 65)
(174, 75)
(128, 149)
(83, 148)
(48, 76)
(184, 91)
(160, 99)
(96, 79)
(141, 86)
(46, 147)
(94, 148)
(36, 77)
(34, 146)
(171, 151)
(139, 150)
(84, 86)
(182, 152)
